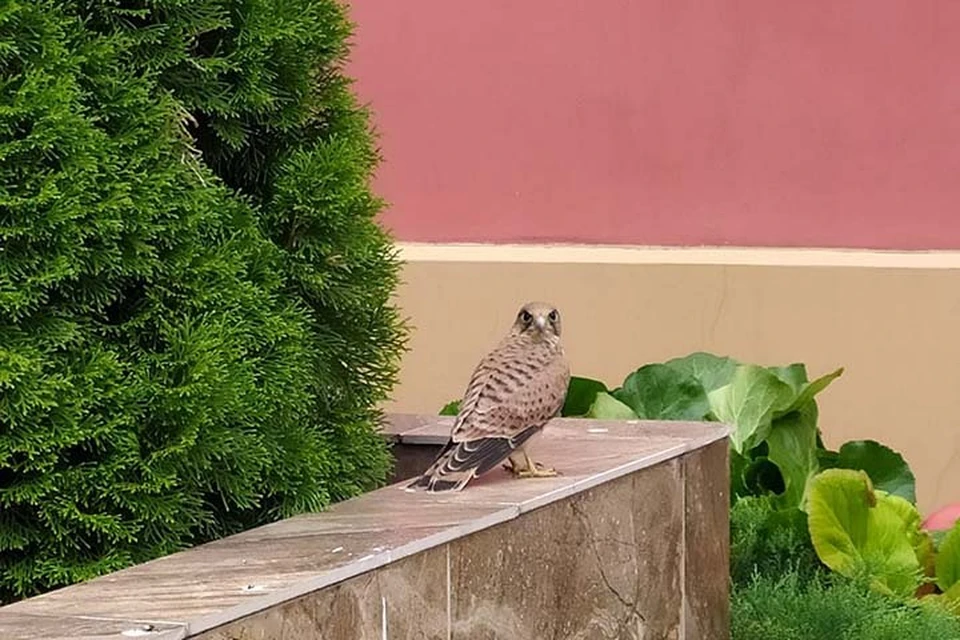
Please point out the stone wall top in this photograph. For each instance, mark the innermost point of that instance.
(186, 593)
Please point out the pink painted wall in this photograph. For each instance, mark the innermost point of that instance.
(667, 122)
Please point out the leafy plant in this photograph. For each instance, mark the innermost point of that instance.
(797, 506)
(451, 408)
(948, 560)
(661, 392)
(887, 469)
(772, 412)
(581, 395)
(864, 533)
(948, 572)
(606, 407)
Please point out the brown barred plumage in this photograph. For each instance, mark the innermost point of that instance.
(514, 391)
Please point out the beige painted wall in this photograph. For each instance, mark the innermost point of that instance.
(889, 318)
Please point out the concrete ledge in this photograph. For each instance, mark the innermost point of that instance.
(631, 541)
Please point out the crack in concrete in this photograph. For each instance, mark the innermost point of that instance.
(633, 607)
(718, 313)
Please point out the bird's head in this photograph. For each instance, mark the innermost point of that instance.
(538, 320)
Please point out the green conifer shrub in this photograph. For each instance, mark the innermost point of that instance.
(195, 325)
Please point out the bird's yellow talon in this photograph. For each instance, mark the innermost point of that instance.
(537, 473)
(534, 469)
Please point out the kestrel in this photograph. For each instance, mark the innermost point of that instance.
(514, 391)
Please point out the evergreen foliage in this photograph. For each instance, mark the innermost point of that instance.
(195, 325)
(771, 542)
(790, 607)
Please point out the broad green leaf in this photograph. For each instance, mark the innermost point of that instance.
(887, 468)
(951, 599)
(948, 601)
(451, 408)
(794, 375)
(938, 537)
(861, 533)
(792, 446)
(948, 560)
(827, 459)
(606, 407)
(581, 392)
(809, 390)
(712, 372)
(748, 403)
(659, 392)
(837, 517)
(920, 540)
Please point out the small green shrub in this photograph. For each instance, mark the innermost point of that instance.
(769, 542)
(790, 607)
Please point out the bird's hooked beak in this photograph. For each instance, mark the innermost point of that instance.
(541, 322)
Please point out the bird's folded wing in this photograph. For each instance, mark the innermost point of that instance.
(506, 397)
(483, 454)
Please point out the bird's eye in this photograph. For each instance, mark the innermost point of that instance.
(553, 316)
(525, 317)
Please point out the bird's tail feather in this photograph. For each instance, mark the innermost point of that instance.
(460, 462)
